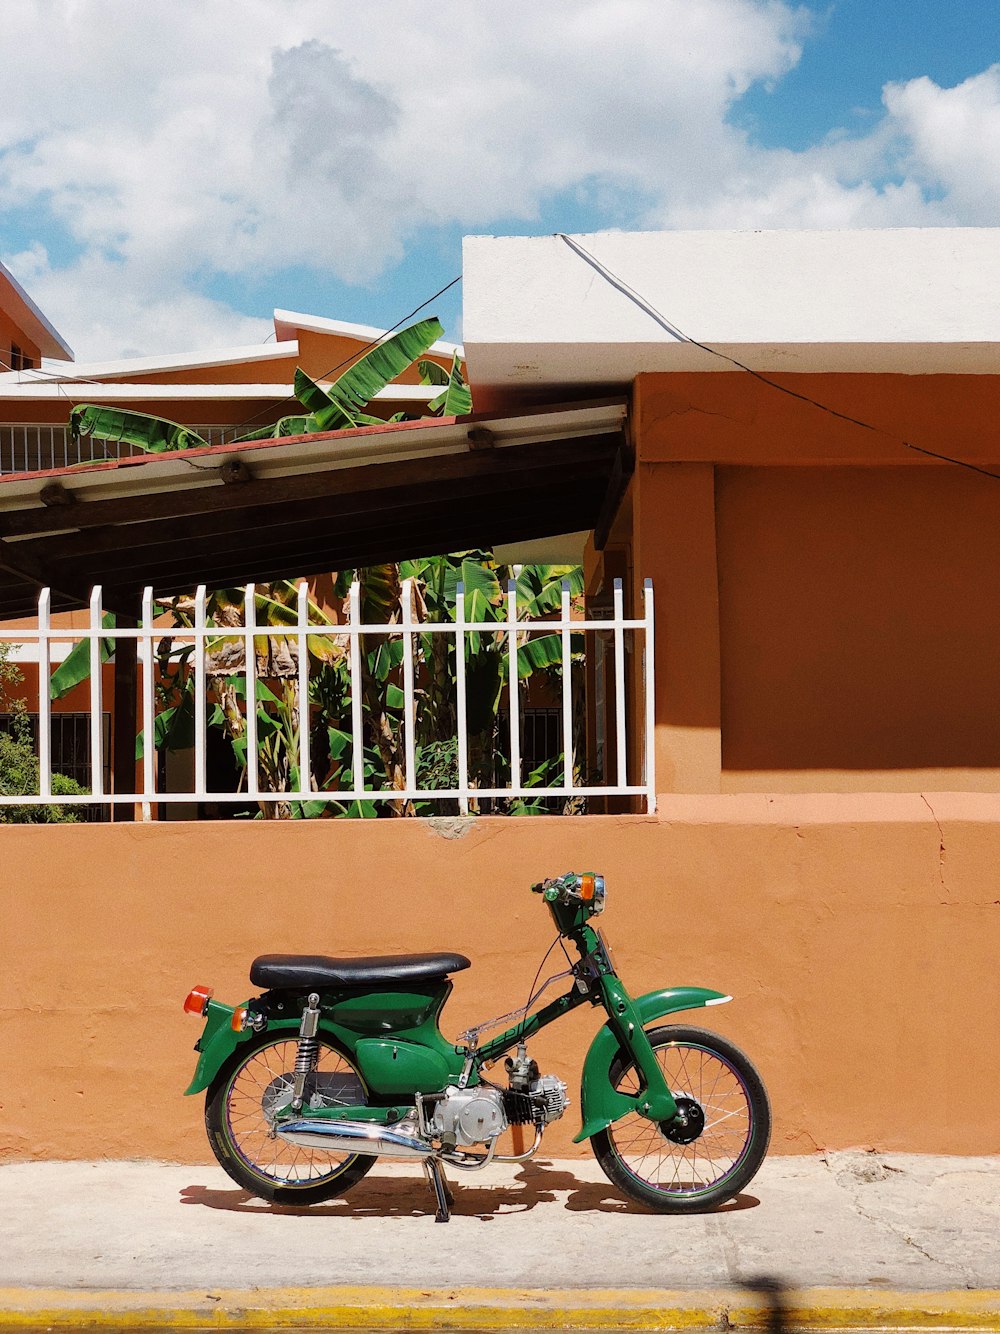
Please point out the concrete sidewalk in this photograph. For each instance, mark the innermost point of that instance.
(860, 1238)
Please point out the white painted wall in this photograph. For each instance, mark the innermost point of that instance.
(915, 300)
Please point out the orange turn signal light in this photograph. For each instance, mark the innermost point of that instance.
(239, 1019)
(587, 887)
(197, 1000)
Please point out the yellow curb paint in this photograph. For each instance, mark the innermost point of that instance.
(377, 1308)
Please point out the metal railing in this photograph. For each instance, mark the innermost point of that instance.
(354, 638)
(39, 446)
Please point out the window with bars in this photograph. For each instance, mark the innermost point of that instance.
(71, 750)
(20, 361)
(541, 737)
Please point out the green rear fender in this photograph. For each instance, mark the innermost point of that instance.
(600, 1104)
(218, 1042)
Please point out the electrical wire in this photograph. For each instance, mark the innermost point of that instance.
(620, 285)
(354, 355)
(534, 984)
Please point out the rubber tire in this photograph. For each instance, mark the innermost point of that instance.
(352, 1171)
(744, 1170)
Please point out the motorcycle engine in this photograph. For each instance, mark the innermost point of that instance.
(468, 1116)
(463, 1117)
(532, 1098)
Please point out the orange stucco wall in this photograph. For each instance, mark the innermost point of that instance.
(10, 333)
(860, 627)
(827, 616)
(859, 937)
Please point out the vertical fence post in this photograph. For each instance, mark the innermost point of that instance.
(96, 695)
(409, 703)
(621, 771)
(200, 692)
(649, 637)
(460, 702)
(305, 757)
(567, 692)
(148, 706)
(513, 688)
(250, 653)
(357, 736)
(44, 694)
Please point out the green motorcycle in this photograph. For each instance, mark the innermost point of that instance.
(342, 1061)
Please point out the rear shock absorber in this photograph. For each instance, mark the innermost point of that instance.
(307, 1052)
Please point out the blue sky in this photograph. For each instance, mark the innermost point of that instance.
(190, 170)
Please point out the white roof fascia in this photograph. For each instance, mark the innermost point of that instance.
(50, 340)
(151, 473)
(393, 393)
(904, 300)
(287, 321)
(179, 361)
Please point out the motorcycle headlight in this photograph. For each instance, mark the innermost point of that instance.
(599, 894)
(591, 891)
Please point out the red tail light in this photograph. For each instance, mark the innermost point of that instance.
(197, 1000)
(239, 1020)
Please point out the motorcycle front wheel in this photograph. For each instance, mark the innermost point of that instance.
(687, 1171)
(239, 1113)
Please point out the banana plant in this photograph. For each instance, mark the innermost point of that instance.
(435, 582)
(276, 661)
(337, 407)
(456, 398)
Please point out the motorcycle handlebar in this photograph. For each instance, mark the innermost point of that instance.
(572, 888)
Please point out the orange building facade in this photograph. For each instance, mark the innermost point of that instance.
(826, 840)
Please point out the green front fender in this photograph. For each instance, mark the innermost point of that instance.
(218, 1042)
(600, 1104)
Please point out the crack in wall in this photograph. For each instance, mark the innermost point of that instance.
(940, 831)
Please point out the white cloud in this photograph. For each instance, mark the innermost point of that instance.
(222, 138)
(953, 137)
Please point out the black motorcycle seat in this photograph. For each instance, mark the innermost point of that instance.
(319, 970)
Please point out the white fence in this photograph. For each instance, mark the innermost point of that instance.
(39, 446)
(622, 637)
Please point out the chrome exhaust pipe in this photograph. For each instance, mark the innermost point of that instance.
(354, 1137)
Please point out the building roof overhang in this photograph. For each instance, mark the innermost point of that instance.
(288, 323)
(305, 505)
(26, 389)
(26, 315)
(555, 315)
(56, 372)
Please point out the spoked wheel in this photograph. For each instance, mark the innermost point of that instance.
(687, 1170)
(239, 1115)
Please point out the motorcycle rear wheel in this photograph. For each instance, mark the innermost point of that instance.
(258, 1077)
(645, 1163)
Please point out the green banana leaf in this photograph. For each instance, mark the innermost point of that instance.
(156, 435)
(539, 588)
(322, 407)
(431, 373)
(293, 425)
(75, 667)
(371, 373)
(456, 401)
(541, 652)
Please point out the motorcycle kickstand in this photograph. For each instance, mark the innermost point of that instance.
(438, 1182)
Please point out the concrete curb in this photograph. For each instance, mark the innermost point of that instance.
(379, 1308)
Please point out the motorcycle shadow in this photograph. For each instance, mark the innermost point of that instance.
(388, 1197)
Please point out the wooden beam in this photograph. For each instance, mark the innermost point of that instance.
(377, 544)
(373, 555)
(25, 565)
(258, 519)
(621, 472)
(159, 506)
